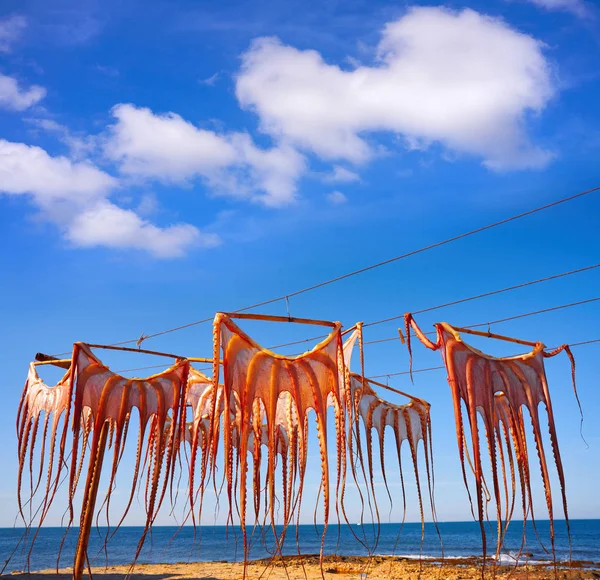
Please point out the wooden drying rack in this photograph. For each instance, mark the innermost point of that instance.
(46, 359)
(65, 363)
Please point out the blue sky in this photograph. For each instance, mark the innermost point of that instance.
(161, 161)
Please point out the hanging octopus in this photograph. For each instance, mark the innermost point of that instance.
(40, 402)
(276, 391)
(410, 422)
(103, 405)
(262, 403)
(499, 390)
(199, 398)
(198, 431)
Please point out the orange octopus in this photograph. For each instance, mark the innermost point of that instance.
(53, 402)
(499, 390)
(263, 401)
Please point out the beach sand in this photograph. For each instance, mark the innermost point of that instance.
(334, 567)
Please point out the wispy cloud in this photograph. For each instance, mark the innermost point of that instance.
(211, 80)
(341, 174)
(16, 98)
(108, 71)
(80, 145)
(580, 8)
(11, 29)
(73, 27)
(336, 198)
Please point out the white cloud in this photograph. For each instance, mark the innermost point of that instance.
(461, 79)
(26, 169)
(107, 225)
(341, 174)
(11, 29)
(80, 146)
(74, 195)
(269, 175)
(578, 7)
(164, 146)
(168, 148)
(16, 98)
(336, 198)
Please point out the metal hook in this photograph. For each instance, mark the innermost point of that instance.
(287, 305)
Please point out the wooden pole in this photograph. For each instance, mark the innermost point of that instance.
(496, 336)
(268, 317)
(139, 350)
(89, 503)
(353, 327)
(45, 359)
(153, 352)
(384, 386)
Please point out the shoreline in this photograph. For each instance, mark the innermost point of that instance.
(339, 567)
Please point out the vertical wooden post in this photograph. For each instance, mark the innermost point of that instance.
(89, 501)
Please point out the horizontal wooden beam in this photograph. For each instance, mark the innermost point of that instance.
(46, 359)
(270, 318)
(496, 336)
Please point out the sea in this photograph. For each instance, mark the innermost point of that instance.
(221, 544)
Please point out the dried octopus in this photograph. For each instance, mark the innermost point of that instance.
(498, 390)
(409, 422)
(109, 399)
(257, 384)
(49, 404)
(263, 401)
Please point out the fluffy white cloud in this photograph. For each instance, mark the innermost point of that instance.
(15, 98)
(578, 7)
(74, 196)
(164, 146)
(106, 224)
(169, 148)
(11, 29)
(26, 169)
(336, 198)
(461, 79)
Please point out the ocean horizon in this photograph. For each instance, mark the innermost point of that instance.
(173, 544)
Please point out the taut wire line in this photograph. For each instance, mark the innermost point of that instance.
(144, 337)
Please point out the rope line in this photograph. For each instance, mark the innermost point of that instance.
(453, 303)
(500, 320)
(372, 266)
(486, 294)
(572, 345)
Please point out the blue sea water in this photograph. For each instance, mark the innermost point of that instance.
(216, 543)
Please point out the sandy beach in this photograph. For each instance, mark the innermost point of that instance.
(338, 567)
